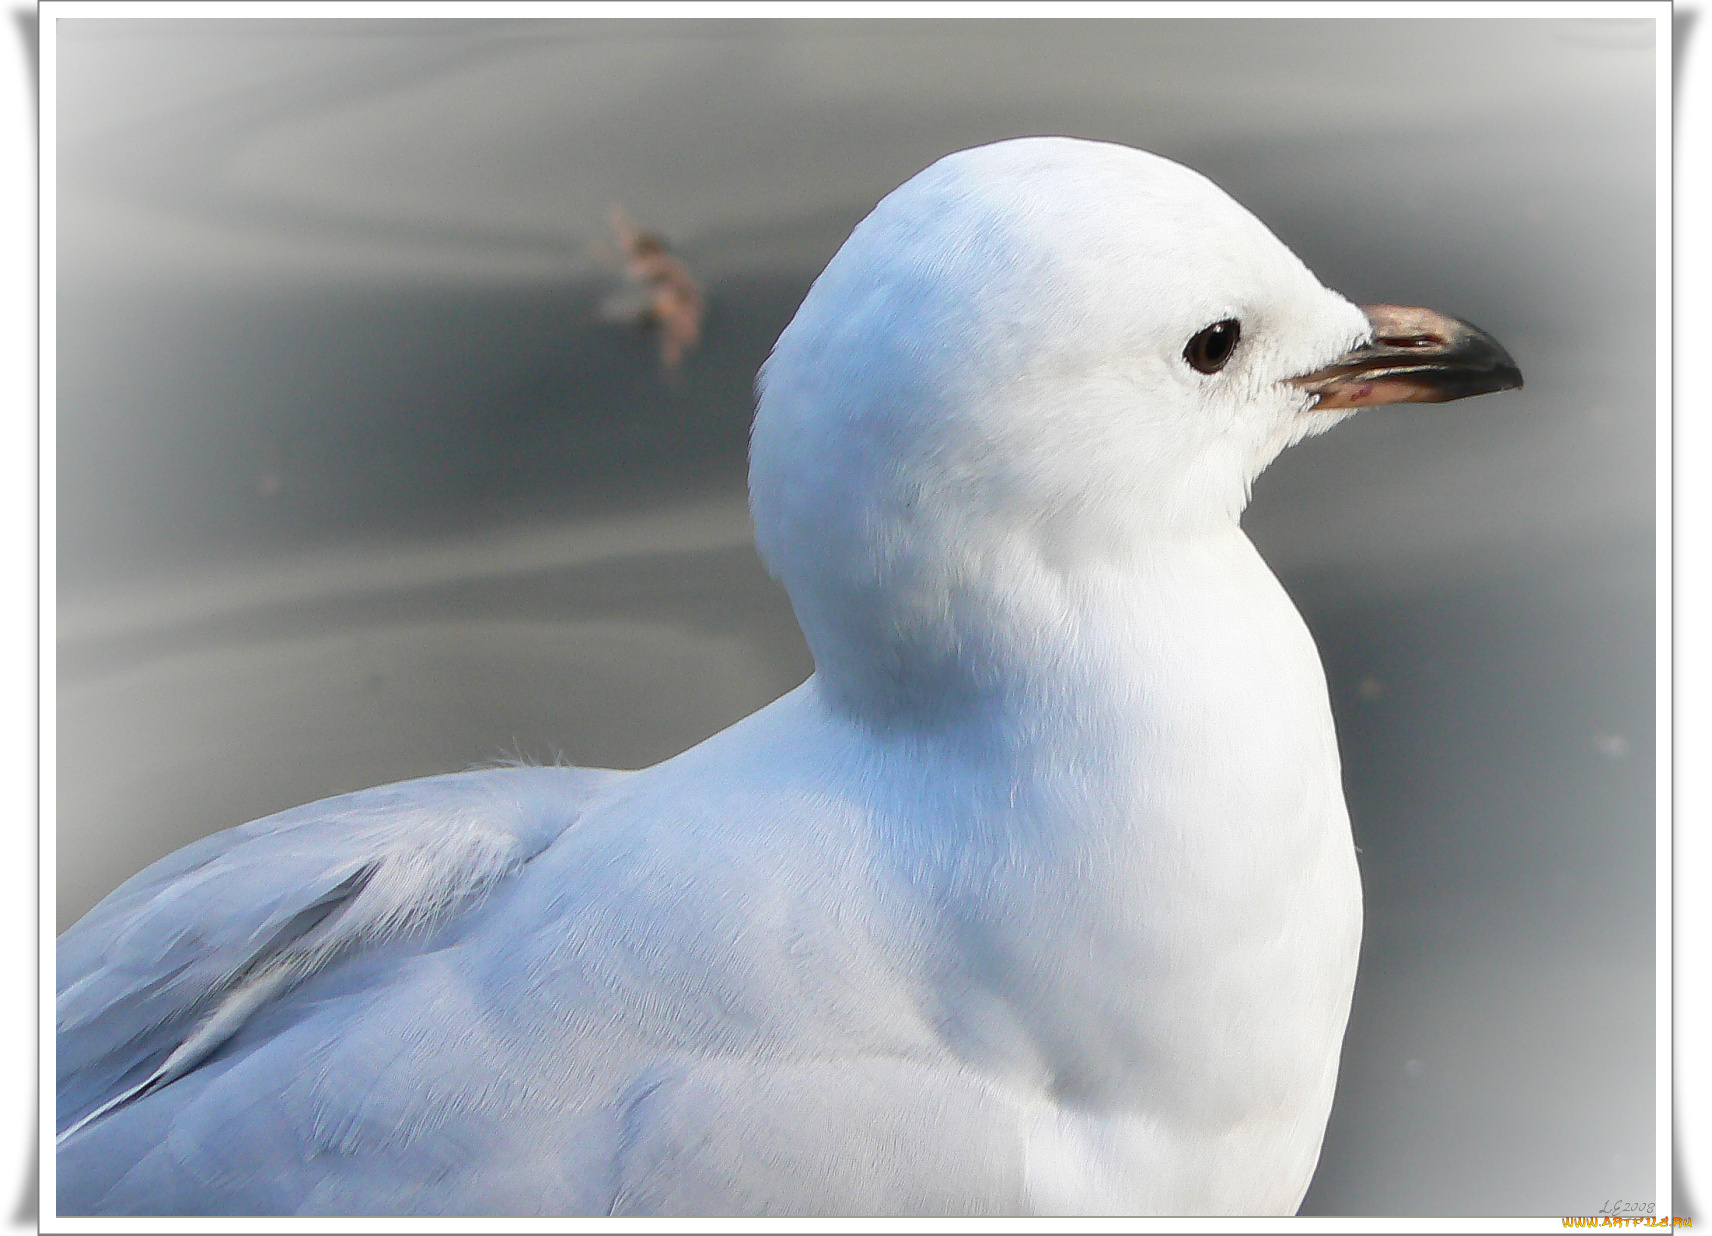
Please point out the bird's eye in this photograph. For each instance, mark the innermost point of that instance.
(1209, 350)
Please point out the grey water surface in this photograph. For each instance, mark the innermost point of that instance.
(355, 484)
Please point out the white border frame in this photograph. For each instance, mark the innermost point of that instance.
(50, 11)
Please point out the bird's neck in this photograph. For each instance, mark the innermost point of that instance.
(1132, 807)
(1002, 638)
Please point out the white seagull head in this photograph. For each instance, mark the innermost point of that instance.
(1032, 358)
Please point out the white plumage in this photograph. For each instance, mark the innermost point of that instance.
(1038, 897)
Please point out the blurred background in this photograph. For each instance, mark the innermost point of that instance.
(356, 482)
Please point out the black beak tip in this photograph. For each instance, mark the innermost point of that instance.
(1489, 367)
(1460, 382)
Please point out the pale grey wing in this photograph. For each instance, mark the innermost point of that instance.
(171, 964)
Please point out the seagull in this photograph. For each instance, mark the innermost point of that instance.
(1039, 896)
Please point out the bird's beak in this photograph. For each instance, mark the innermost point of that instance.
(1415, 356)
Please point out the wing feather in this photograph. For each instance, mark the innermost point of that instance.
(171, 964)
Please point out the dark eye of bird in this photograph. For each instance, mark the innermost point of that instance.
(1209, 350)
